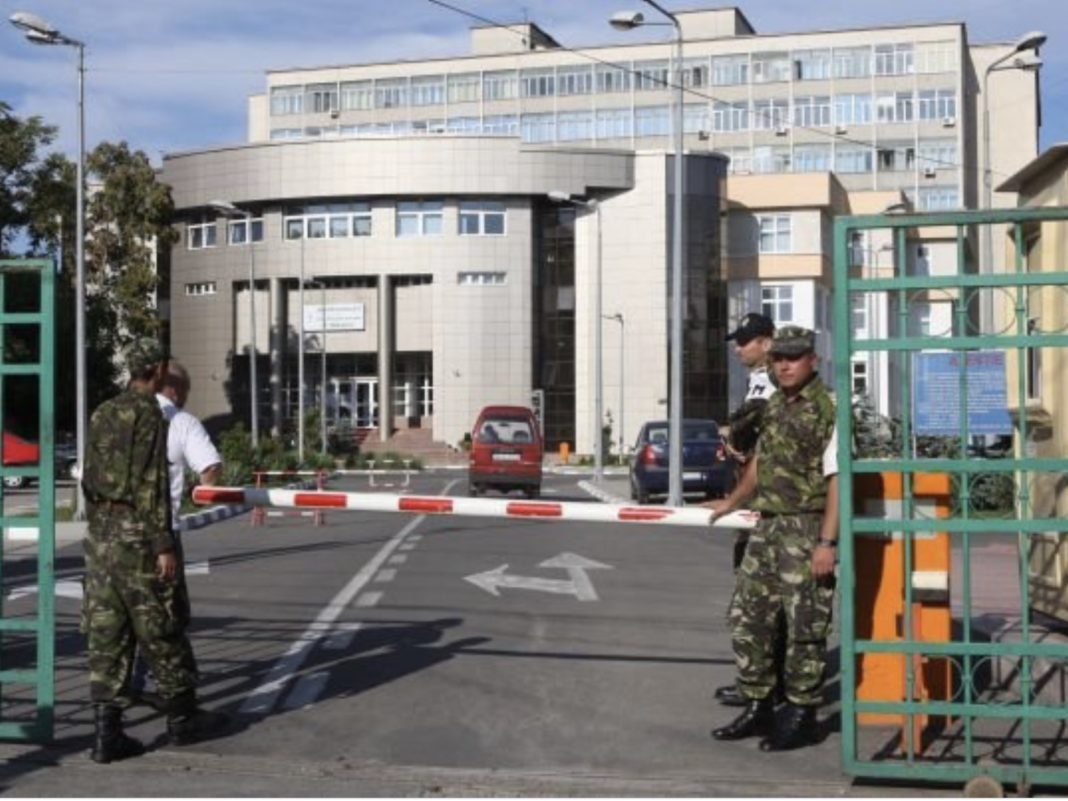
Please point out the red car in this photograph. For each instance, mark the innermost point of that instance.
(506, 451)
(18, 452)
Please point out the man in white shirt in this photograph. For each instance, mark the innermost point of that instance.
(188, 447)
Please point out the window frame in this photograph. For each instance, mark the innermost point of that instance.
(421, 212)
(481, 212)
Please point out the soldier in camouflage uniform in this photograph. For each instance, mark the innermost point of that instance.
(789, 560)
(752, 339)
(131, 566)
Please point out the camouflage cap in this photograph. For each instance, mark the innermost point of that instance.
(142, 354)
(792, 340)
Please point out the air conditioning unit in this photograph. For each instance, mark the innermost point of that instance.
(929, 172)
(781, 130)
(841, 130)
(334, 113)
(949, 122)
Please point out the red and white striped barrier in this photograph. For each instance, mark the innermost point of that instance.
(476, 507)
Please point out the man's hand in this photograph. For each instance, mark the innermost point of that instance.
(719, 507)
(737, 455)
(166, 566)
(822, 561)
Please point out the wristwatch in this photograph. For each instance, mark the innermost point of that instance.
(827, 543)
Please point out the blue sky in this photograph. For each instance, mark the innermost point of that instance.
(171, 75)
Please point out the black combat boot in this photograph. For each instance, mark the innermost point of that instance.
(795, 727)
(728, 695)
(193, 725)
(756, 719)
(111, 743)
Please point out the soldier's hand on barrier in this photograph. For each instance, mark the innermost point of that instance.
(166, 566)
(719, 507)
(823, 559)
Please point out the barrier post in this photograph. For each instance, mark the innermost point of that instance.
(259, 514)
(320, 515)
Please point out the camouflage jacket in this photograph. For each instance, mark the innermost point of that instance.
(746, 421)
(790, 451)
(126, 468)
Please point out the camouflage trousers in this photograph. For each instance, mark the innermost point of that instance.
(127, 606)
(776, 577)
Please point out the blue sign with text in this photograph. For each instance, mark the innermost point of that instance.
(936, 393)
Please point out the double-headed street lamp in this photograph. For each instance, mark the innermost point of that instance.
(1028, 42)
(559, 196)
(41, 32)
(628, 20)
(228, 210)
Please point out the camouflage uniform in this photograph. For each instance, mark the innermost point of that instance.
(776, 572)
(127, 488)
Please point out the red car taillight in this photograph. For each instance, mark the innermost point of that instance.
(648, 455)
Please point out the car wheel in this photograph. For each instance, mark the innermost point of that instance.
(641, 495)
(15, 482)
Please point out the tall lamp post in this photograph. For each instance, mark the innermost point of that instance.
(1029, 41)
(628, 20)
(618, 317)
(559, 196)
(228, 209)
(41, 32)
(322, 377)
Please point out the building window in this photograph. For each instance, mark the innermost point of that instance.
(936, 57)
(893, 59)
(777, 302)
(652, 121)
(938, 198)
(936, 155)
(771, 67)
(852, 159)
(287, 100)
(501, 125)
(357, 95)
(741, 160)
(695, 117)
(812, 65)
(391, 93)
(482, 278)
(612, 79)
(859, 310)
(419, 218)
(613, 123)
(201, 235)
(730, 70)
(538, 127)
(775, 234)
(730, 116)
(897, 158)
(321, 98)
(481, 218)
(464, 125)
(771, 159)
(537, 83)
(432, 126)
(852, 62)
(650, 76)
(464, 88)
(852, 109)
(285, 133)
(574, 80)
(503, 85)
(937, 104)
(812, 112)
(771, 114)
(331, 221)
(812, 158)
(574, 125)
(894, 107)
(1034, 364)
(428, 90)
(859, 376)
(239, 231)
(203, 288)
(695, 72)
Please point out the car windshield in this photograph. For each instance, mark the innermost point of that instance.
(506, 430)
(700, 432)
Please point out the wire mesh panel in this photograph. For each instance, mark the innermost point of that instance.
(27, 580)
(953, 498)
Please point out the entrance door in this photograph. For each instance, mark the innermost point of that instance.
(366, 402)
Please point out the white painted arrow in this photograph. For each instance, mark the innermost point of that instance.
(63, 589)
(578, 584)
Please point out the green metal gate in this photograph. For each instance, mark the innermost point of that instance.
(983, 731)
(27, 548)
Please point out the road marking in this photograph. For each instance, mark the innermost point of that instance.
(578, 584)
(369, 599)
(198, 568)
(408, 545)
(64, 588)
(346, 633)
(263, 699)
(385, 574)
(397, 559)
(306, 691)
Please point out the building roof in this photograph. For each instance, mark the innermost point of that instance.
(1037, 167)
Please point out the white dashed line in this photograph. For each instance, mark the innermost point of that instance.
(306, 691)
(397, 559)
(385, 574)
(343, 638)
(369, 599)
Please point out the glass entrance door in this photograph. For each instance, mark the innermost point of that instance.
(366, 402)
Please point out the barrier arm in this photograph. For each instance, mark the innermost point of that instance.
(476, 507)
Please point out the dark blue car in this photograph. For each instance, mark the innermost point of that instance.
(705, 468)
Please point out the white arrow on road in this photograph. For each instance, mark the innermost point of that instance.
(578, 584)
(72, 588)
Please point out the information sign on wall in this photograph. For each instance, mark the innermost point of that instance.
(338, 316)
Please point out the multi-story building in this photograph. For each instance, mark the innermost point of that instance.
(416, 193)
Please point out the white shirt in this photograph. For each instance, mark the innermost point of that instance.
(760, 386)
(188, 445)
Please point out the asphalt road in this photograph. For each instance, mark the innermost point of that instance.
(359, 658)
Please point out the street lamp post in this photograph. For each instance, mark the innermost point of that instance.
(627, 21)
(321, 285)
(1030, 41)
(40, 32)
(300, 361)
(618, 317)
(560, 196)
(228, 209)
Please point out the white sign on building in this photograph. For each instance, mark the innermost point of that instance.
(338, 317)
